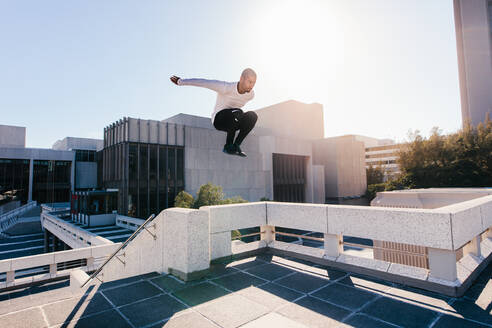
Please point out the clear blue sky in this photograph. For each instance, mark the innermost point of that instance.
(379, 67)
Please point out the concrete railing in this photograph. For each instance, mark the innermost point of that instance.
(9, 219)
(69, 233)
(41, 267)
(427, 198)
(184, 241)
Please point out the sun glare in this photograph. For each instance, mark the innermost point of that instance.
(302, 41)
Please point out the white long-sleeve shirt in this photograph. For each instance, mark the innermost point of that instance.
(227, 94)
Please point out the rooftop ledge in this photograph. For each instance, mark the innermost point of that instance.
(456, 240)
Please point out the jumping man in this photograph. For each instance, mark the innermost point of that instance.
(228, 115)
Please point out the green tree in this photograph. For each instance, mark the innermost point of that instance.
(461, 159)
(374, 174)
(184, 199)
(208, 194)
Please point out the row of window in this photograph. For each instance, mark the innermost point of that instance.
(51, 180)
(82, 155)
(155, 176)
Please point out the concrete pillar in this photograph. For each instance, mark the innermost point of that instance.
(53, 270)
(473, 247)
(267, 233)
(90, 263)
(333, 245)
(10, 277)
(31, 172)
(442, 264)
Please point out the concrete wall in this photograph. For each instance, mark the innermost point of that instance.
(344, 162)
(102, 220)
(292, 119)
(250, 177)
(473, 39)
(205, 162)
(70, 143)
(12, 136)
(86, 175)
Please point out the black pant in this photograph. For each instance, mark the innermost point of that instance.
(232, 119)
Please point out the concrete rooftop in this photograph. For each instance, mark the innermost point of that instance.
(263, 291)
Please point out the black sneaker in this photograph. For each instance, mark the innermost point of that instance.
(238, 151)
(229, 149)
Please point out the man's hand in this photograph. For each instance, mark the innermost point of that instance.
(175, 79)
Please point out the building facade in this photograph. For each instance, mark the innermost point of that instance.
(42, 175)
(473, 24)
(86, 160)
(144, 160)
(151, 161)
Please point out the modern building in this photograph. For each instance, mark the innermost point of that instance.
(473, 24)
(12, 136)
(381, 153)
(86, 160)
(150, 161)
(26, 174)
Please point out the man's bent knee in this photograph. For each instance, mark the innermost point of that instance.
(252, 116)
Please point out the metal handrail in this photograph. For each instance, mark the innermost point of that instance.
(92, 276)
(298, 236)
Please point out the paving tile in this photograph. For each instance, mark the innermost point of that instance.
(269, 271)
(152, 310)
(343, 295)
(150, 275)
(327, 272)
(238, 281)
(218, 270)
(169, 283)
(270, 295)
(131, 293)
(273, 320)
(400, 313)
(303, 282)
(188, 320)
(479, 291)
(107, 319)
(246, 263)
(232, 310)
(314, 313)
(200, 293)
(366, 283)
(478, 311)
(30, 318)
(74, 308)
(361, 320)
(421, 298)
(116, 283)
(294, 264)
(448, 321)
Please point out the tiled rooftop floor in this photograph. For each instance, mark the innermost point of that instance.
(256, 292)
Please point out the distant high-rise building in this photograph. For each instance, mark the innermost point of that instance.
(473, 23)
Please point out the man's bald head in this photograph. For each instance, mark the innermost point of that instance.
(247, 81)
(248, 72)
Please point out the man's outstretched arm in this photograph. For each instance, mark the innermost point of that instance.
(217, 86)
